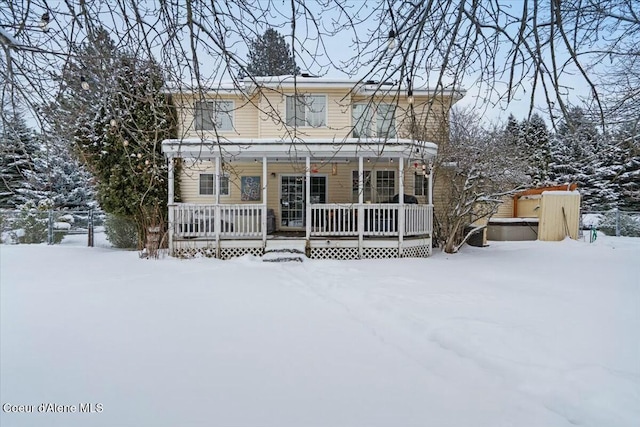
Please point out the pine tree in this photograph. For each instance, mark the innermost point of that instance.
(531, 140)
(581, 154)
(58, 178)
(270, 55)
(17, 147)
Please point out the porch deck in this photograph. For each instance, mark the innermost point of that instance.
(342, 231)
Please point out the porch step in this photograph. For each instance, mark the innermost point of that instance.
(283, 255)
(285, 244)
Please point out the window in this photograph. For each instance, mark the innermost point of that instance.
(306, 110)
(420, 184)
(224, 185)
(385, 186)
(367, 186)
(374, 121)
(386, 121)
(210, 115)
(207, 184)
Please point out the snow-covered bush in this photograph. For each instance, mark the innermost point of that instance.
(31, 224)
(628, 223)
(122, 232)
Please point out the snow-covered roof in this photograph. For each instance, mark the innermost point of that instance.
(250, 84)
(287, 149)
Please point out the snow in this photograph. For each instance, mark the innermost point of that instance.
(561, 193)
(512, 220)
(514, 334)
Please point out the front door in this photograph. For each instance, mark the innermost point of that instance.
(292, 198)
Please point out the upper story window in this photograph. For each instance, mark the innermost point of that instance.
(306, 111)
(371, 120)
(210, 115)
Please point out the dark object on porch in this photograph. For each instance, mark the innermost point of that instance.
(476, 239)
(408, 199)
(271, 221)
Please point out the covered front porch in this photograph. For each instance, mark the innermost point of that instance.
(300, 207)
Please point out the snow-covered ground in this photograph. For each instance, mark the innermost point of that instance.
(516, 334)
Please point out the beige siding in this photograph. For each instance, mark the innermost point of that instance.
(339, 179)
(273, 116)
(263, 115)
(505, 210)
(559, 217)
(245, 117)
(528, 206)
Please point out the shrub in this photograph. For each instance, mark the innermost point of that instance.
(629, 224)
(121, 231)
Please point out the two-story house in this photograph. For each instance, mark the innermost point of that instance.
(313, 164)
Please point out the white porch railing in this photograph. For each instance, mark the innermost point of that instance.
(196, 220)
(335, 219)
(331, 219)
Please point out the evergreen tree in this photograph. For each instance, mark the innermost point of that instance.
(627, 138)
(270, 55)
(123, 149)
(17, 147)
(531, 140)
(58, 178)
(581, 154)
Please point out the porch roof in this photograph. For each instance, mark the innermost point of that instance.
(291, 149)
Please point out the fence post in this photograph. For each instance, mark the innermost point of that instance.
(90, 229)
(50, 228)
(617, 222)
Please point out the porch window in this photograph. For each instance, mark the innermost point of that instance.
(385, 185)
(370, 120)
(210, 115)
(367, 186)
(420, 184)
(306, 110)
(207, 184)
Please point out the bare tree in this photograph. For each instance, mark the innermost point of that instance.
(510, 50)
(476, 169)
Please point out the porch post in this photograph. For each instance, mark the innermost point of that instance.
(360, 206)
(264, 202)
(170, 199)
(430, 199)
(217, 220)
(401, 216)
(430, 182)
(307, 196)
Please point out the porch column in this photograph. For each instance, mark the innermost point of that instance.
(401, 216)
(307, 196)
(430, 199)
(430, 182)
(217, 220)
(264, 202)
(170, 199)
(360, 205)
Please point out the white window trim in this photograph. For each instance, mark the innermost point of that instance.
(200, 193)
(305, 125)
(424, 190)
(225, 175)
(214, 109)
(371, 109)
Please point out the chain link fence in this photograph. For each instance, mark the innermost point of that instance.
(36, 225)
(615, 222)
